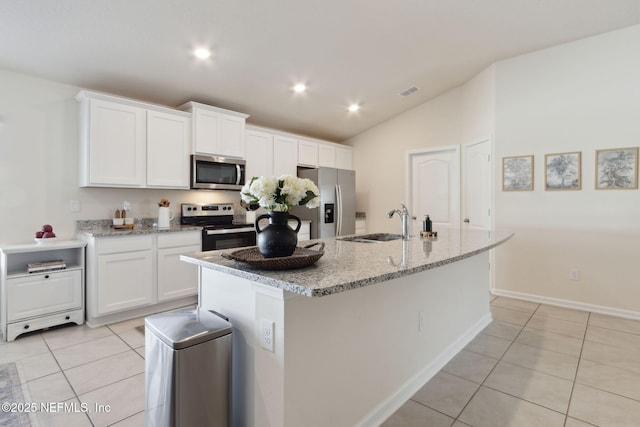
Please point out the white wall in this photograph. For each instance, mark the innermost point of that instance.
(464, 114)
(39, 165)
(580, 96)
(379, 155)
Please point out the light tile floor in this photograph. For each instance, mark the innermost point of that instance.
(96, 374)
(536, 365)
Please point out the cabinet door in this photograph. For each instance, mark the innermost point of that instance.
(259, 154)
(344, 158)
(117, 144)
(168, 150)
(326, 156)
(232, 137)
(218, 134)
(176, 278)
(285, 156)
(43, 294)
(307, 153)
(207, 125)
(125, 280)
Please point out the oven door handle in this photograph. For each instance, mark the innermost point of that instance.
(229, 231)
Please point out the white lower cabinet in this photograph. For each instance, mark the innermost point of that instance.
(36, 300)
(127, 279)
(305, 230)
(41, 294)
(176, 278)
(131, 276)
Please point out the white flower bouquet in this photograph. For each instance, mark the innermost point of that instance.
(279, 194)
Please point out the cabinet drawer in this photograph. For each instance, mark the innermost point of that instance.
(20, 327)
(43, 294)
(109, 245)
(185, 238)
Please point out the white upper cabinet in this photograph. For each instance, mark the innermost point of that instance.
(113, 144)
(259, 156)
(216, 131)
(270, 154)
(335, 156)
(326, 156)
(168, 148)
(126, 143)
(307, 153)
(285, 155)
(344, 157)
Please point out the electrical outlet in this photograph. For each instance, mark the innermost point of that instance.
(574, 274)
(126, 206)
(267, 335)
(420, 320)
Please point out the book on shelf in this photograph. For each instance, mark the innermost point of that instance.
(38, 267)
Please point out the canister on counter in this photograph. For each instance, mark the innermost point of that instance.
(426, 224)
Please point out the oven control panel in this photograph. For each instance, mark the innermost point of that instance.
(192, 209)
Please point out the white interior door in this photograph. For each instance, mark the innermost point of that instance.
(434, 181)
(478, 184)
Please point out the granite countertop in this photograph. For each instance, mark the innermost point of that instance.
(103, 228)
(349, 265)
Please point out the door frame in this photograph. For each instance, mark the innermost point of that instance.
(492, 225)
(461, 153)
(463, 170)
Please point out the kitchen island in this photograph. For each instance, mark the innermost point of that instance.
(349, 339)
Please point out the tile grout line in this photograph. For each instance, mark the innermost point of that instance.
(457, 418)
(500, 360)
(64, 374)
(575, 378)
(63, 371)
(603, 364)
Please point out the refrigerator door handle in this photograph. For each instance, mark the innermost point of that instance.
(338, 213)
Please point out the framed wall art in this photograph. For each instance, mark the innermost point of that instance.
(517, 173)
(563, 171)
(617, 168)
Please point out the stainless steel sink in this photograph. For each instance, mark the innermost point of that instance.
(372, 238)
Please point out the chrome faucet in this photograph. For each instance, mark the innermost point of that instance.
(404, 216)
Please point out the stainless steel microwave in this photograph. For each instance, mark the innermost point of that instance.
(217, 173)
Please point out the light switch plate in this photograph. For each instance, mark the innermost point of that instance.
(267, 334)
(74, 206)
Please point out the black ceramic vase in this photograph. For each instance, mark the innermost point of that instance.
(277, 239)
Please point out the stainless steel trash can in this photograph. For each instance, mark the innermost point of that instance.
(187, 369)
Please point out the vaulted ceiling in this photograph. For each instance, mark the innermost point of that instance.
(345, 51)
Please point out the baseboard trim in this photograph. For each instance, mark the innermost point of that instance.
(94, 322)
(390, 405)
(595, 308)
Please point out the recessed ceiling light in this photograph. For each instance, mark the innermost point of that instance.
(353, 108)
(202, 53)
(299, 88)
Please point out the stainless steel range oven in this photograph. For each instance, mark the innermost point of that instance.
(218, 229)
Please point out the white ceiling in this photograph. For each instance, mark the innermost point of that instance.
(365, 51)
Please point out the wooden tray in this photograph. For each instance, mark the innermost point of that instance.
(302, 257)
(123, 227)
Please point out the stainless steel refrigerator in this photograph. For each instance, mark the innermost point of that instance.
(336, 215)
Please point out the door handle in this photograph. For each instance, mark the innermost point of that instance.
(466, 220)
